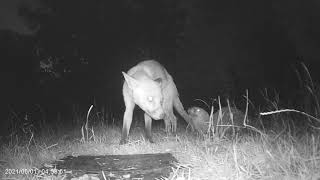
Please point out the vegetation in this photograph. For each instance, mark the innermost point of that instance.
(267, 154)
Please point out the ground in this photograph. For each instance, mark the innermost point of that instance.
(247, 156)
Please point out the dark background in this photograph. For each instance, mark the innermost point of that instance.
(211, 48)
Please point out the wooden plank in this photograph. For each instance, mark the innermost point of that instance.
(145, 166)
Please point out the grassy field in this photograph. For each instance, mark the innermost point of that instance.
(250, 155)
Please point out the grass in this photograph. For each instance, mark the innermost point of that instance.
(279, 149)
(247, 156)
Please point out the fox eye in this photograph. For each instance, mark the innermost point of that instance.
(150, 98)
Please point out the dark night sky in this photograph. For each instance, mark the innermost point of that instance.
(210, 47)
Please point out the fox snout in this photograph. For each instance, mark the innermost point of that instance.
(157, 114)
(161, 116)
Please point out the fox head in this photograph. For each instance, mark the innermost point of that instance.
(147, 94)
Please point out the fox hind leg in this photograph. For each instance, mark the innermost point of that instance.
(170, 122)
(167, 124)
(173, 123)
(170, 119)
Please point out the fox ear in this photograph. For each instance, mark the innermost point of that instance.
(158, 80)
(132, 83)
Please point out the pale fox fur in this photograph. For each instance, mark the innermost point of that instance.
(151, 87)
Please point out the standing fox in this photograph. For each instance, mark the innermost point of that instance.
(151, 87)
